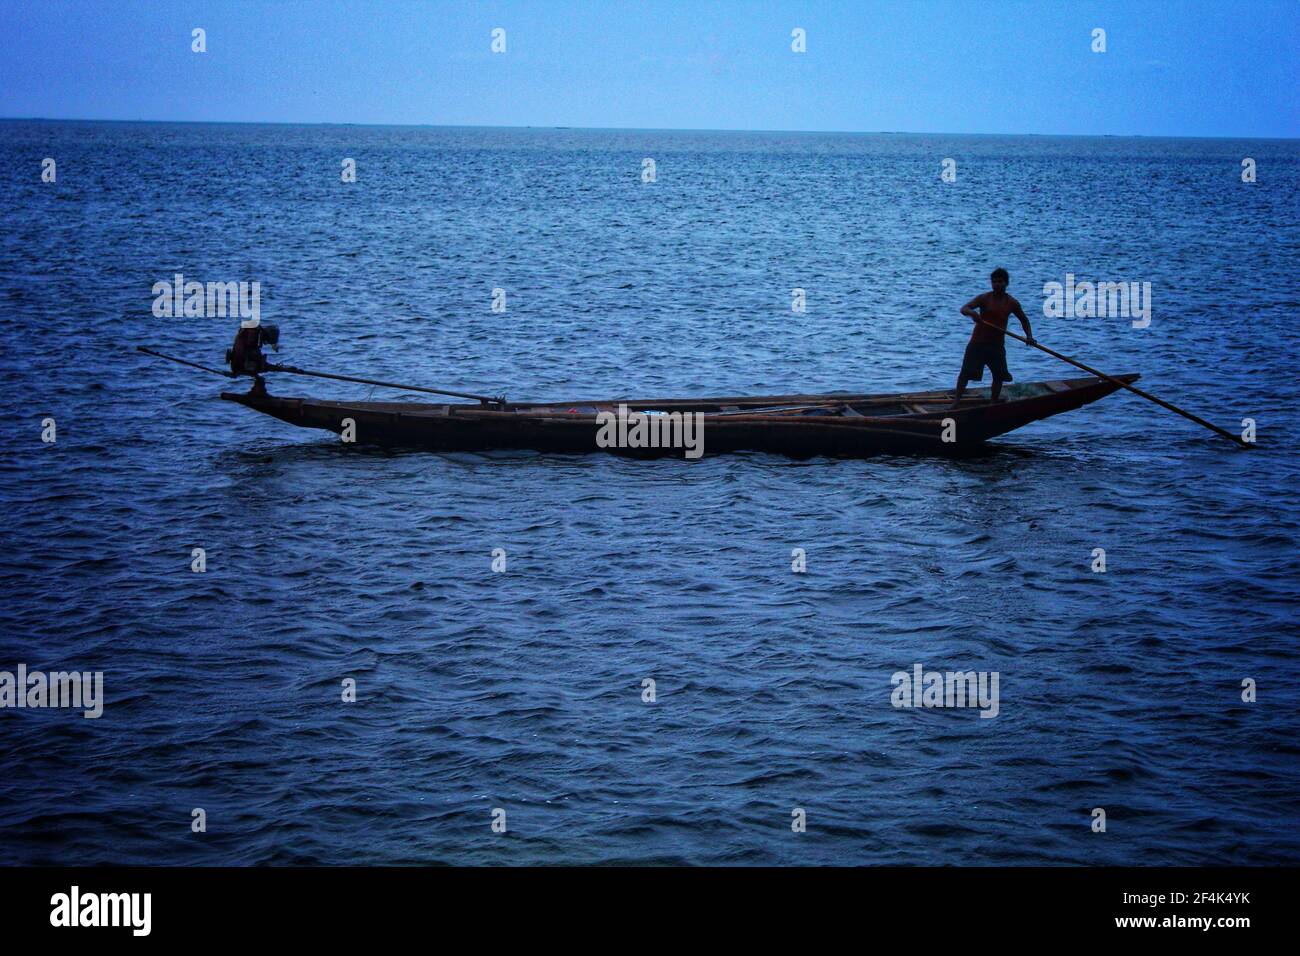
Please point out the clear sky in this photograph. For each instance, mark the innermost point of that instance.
(1171, 67)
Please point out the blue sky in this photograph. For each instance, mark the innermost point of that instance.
(1173, 67)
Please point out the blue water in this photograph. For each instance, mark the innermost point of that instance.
(522, 690)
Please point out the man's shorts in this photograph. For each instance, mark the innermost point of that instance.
(981, 354)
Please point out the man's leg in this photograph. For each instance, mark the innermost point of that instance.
(998, 368)
(961, 387)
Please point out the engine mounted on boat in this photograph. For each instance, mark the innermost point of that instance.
(245, 355)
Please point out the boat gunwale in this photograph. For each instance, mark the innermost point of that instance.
(547, 410)
(552, 411)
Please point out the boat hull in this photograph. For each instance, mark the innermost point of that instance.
(926, 424)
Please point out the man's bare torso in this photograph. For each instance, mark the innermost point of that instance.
(995, 308)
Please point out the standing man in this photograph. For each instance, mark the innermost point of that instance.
(987, 346)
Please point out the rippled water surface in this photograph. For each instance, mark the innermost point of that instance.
(522, 690)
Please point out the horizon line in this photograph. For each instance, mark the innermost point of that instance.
(623, 129)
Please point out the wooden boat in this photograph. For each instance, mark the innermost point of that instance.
(836, 424)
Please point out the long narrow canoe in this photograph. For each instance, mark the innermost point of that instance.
(836, 424)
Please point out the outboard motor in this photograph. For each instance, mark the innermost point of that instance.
(245, 355)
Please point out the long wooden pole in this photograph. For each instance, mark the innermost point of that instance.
(1236, 439)
(173, 358)
(485, 399)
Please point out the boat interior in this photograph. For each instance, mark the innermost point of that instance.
(834, 404)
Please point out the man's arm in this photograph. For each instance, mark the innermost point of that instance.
(1019, 313)
(969, 308)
